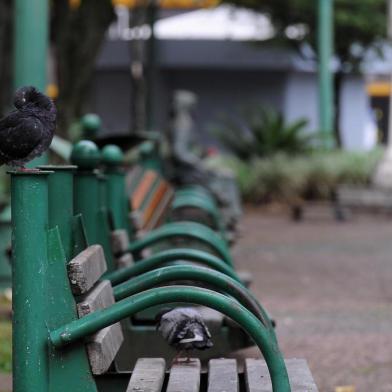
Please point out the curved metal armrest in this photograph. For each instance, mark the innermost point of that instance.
(190, 230)
(93, 322)
(161, 258)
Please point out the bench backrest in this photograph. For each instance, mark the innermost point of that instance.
(92, 294)
(150, 196)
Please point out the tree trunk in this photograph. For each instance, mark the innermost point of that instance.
(6, 38)
(78, 34)
(338, 83)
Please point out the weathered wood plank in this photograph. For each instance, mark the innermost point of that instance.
(143, 188)
(124, 261)
(148, 375)
(161, 209)
(103, 346)
(156, 198)
(120, 241)
(100, 297)
(223, 375)
(257, 378)
(86, 268)
(185, 377)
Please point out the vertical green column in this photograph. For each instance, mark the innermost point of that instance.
(86, 156)
(325, 51)
(61, 206)
(31, 21)
(29, 195)
(113, 158)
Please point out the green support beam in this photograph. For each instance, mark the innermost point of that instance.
(325, 51)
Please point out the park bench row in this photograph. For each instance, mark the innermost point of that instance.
(79, 282)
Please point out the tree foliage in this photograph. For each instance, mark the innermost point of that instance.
(358, 24)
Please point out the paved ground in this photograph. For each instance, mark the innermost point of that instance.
(329, 286)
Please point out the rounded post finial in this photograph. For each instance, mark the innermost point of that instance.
(112, 155)
(85, 154)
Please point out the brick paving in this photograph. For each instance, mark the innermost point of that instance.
(329, 285)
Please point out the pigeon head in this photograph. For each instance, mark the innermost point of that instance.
(159, 315)
(29, 95)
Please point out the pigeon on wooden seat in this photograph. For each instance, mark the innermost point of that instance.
(27, 132)
(184, 329)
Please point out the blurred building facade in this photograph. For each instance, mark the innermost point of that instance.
(229, 66)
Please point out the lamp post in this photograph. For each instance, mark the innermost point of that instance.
(325, 51)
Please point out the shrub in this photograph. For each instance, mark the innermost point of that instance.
(287, 179)
(261, 132)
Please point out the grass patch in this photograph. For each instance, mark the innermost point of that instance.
(5, 346)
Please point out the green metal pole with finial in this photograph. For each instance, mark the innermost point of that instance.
(90, 196)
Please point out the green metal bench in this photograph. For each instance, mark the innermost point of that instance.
(66, 331)
(94, 213)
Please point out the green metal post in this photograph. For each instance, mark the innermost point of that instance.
(103, 191)
(93, 322)
(61, 206)
(29, 195)
(85, 155)
(325, 49)
(90, 197)
(31, 21)
(113, 158)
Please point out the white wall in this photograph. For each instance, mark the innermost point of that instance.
(301, 99)
(356, 123)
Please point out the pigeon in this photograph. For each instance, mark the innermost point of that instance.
(28, 130)
(184, 329)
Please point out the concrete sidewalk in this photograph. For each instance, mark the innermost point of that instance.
(329, 286)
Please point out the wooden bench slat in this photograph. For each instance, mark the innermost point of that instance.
(100, 297)
(124, 261)
(185, 377)
(257, 378)
(120, 241)
(148, 375)
(103, 346)
(86, 268)
(161, 209)
(154, 202)
(132, 178)
(223, 375)
(142, 189)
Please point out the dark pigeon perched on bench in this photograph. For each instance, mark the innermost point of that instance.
(27, 132)
(184, 329)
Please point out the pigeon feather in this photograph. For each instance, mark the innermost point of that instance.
(27, 131)
(184, 328)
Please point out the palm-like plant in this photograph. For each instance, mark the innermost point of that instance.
(262, 132)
